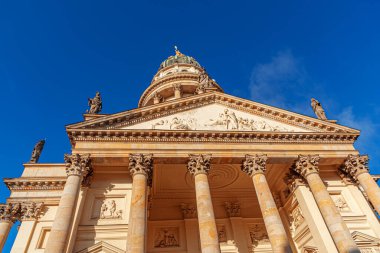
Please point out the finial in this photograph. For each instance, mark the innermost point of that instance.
(177, 52)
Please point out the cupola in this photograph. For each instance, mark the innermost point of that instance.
(177, 77)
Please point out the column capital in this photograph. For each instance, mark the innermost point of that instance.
(20, 211)
(189, 211)
(31, 211)
(199, 164)
(78, 165)
(354, 165)
(306, 165)
(232, 209)
(141, 164)
(254, 164)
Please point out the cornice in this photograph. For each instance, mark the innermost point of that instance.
(208, 136)
(26, 184)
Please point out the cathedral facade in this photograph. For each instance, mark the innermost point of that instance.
(193, 169)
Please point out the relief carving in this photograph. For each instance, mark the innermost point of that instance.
(258, 234)
(296, 219)
(340, 203)
(226, 120)
(108, 210)
(222, 233)
(167, 238)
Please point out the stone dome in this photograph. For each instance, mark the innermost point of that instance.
(177, 77)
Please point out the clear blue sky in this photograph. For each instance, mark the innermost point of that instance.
(56, 54)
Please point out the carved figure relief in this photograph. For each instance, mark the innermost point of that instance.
(189, 211)
(296, 219)
(258, 234)
(340, 203)
(318, 109)
(167, 238)
(232, 209)
(216, 118)
(108, 210)
(222, 233)
(95, 104)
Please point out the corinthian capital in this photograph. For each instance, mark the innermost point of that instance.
(78, 165)
(141, 164)
(306, 164)
(199, 164)
(254, 164)
(355, 165)
(10, 212)
(31, 211)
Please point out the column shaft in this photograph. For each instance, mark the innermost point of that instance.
(371, 189)
(59, 232)
(206, 219)
(5, 227)
(275, 228)
(334, 221)
(138, 215)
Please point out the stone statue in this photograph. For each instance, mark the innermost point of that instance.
(318, 110)
(95, 104)
(37, 151)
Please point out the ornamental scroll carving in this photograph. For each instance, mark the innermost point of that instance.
(254, 164)
(20, 211)
(355, 165)
(199, 164)
(306, 164)
(141, 164)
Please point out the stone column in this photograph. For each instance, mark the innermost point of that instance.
(199, 165)
(307, 167)
(254, 166)
(78, 168)
(357, 167)
(9, 214)
(140, 167)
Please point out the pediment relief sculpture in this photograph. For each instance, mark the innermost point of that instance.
(216, 118)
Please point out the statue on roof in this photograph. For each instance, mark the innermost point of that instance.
(37, 151)
(318, 109)
(95, 104)
(177, 52)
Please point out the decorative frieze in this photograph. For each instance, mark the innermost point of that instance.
(20, 211)
(306, 164)
(355, 165)
(199, 164)
(254, 164)
(232, 209)
(141, 164)
(189, 211)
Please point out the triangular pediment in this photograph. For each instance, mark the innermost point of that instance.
(362, 239)
(102, 247)
(212, 111)
(210, 116)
